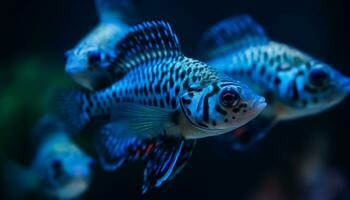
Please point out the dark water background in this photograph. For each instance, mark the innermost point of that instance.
(35, 34)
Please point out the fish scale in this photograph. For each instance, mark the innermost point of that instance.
(267, 64)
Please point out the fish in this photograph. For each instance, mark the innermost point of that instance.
(294, 83)
(164, 97)
(90, 63)
(59, 169)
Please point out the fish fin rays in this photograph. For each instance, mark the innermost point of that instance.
(147, 43)
(231, 34)
(142, 120)
(168, 158)
(185, 155)
(165, 157)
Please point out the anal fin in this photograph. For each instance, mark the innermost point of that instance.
(168, 158)
(184, 157)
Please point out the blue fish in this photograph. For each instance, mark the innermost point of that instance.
(90, 63)
(165, 97)
(60, 169)
(295, 84)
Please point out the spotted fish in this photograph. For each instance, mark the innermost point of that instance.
(90, 63)
(294, 83)
(165, 96)
(59, 169)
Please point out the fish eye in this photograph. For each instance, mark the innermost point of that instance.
(95, 57)
(318, 77)
(229, 97)
(56, 165)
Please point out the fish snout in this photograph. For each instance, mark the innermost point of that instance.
(345, 85)
(259, 104)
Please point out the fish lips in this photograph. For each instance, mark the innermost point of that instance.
(259, 104)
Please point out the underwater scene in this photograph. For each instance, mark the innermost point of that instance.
(151, 99)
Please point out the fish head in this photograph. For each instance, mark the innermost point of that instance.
(69, 174)
(89, 66)
(221, 106)
(319, 88)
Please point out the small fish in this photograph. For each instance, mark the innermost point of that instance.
(294, 83)
(59, 170)
(165, 96)
(91, 62)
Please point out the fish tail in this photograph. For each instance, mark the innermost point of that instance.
(120, 10)
(18, 181)
(68, 105)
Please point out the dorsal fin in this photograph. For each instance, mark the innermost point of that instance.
(115, 10)
(146, 43)
(231, 34)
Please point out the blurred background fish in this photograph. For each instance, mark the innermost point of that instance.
(91, 62)
(295, 84)
(59, 169)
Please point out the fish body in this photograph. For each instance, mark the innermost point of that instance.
(165, 97)
(295, 84)
(91, 61)
(168, 83)
(59, 170)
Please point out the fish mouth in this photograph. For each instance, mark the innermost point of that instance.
(259, 104)
(74, 70)
(345, 85)
(75, 187)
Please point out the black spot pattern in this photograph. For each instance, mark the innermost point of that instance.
(156, 86)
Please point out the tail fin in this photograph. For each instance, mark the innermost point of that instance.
(116, 10)
(19, 181)
(68, 105)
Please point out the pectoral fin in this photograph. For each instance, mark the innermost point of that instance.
(141, 120)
